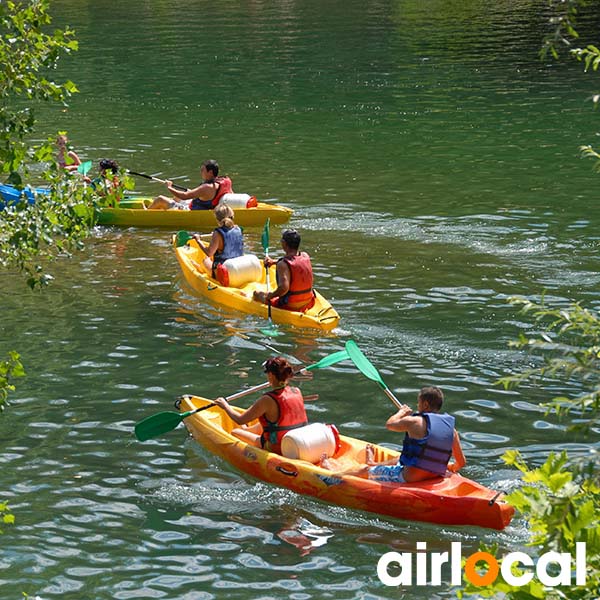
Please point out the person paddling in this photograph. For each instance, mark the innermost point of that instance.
(66, 157)
(278, 411)
(294, 277)
(430, 440)
(205, 196)
(226, 242)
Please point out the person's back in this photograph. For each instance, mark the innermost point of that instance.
(427, 456)
(277, 412)
(227, 240)
(430, 441)
(300, 295)
(294, 277)
(291, 416)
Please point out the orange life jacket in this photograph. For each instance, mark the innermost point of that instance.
(300, 295)
(291, 416)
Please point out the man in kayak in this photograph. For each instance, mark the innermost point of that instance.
(278, 411)
(226, 241)
(430, 440)
(294, 277)
(206, 196)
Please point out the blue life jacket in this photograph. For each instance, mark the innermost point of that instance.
(432, 452)
(233, 244)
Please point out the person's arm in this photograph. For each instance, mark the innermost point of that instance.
(256, 410)
(205, 191)
(74, 161)
(457, 452)
(283, 279)
(402, 420)
(216, 243)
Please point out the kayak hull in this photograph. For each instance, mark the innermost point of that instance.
(321, 316)
(11, 195)
(131, 213)
(452, 500)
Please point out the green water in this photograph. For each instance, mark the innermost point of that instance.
(431, 161)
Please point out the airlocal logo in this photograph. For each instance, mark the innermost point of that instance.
(430, 572)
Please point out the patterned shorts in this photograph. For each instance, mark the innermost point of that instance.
(386, 473)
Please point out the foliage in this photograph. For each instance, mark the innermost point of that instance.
(27, 57)
(9, 369)
(60, 220)
(6, 517)
(570, 345)
(563, 21)
(561, 498)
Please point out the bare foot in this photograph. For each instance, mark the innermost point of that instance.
(324, 462)
(369, 455)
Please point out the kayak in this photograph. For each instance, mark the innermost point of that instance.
(11, 195)
(131, 213)
(451, 500)
(321, 316)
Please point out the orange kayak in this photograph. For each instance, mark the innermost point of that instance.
(452, 500)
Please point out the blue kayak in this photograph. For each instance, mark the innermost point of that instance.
(11, 195)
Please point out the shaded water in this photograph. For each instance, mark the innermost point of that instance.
(431, 160)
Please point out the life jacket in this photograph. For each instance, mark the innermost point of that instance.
(432, 452)
(300, 295)
(233, 244)
(291, 416)
(224, 186)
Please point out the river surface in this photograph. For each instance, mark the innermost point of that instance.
(432, 163)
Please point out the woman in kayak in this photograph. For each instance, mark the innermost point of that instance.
(430, 440)
(226, 241)
(278, 411)
(67, 159)
(107, 181)
(206, 196)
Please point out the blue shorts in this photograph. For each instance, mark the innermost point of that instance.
(386, 473)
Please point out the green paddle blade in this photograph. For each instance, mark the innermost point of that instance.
(84, 167)
(327, 361)
(157, 424)
(182, 238)
(271, 331)
(265, 236)
(363, 364)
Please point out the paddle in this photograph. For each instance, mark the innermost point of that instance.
(177, 187)
(162, 422)
(183, 237)
(84, 167)
(271, 330)
(368, 370)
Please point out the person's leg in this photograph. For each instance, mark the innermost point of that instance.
(162, 203)
(247, 436)
(386, 473)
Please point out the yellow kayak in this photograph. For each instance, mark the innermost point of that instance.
(131, 213)
(451, 500)
(321, 316)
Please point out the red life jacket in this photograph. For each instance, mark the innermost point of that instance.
(291, 416)
(300, 296)
(225, 187)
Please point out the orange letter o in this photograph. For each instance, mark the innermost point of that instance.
(474, 577)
